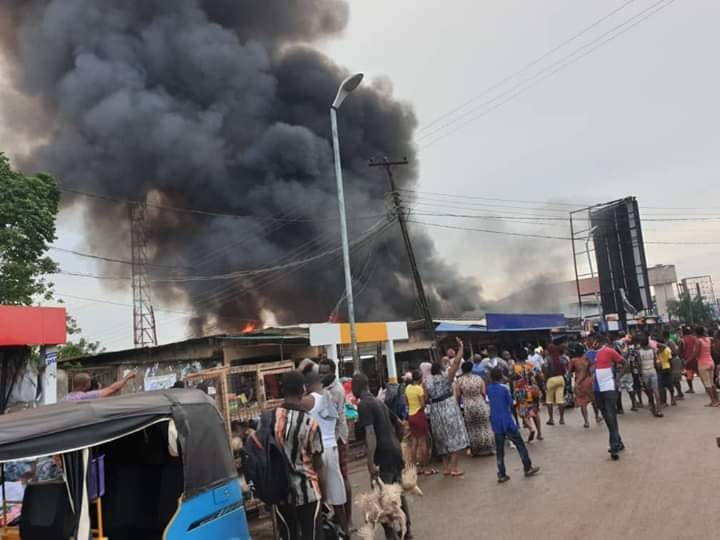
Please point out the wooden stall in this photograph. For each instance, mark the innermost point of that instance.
(243, 392)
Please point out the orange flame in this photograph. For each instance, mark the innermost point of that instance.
(249, 327)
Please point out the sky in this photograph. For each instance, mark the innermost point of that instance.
(635, 117)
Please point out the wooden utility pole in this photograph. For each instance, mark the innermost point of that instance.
(422, 299)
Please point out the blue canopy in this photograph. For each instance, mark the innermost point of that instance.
(519, 322)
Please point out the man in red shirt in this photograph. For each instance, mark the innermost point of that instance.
(689, 353)
(607, 360)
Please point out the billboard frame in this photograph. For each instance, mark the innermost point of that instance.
(584, 246)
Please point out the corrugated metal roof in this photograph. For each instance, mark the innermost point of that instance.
(454, 327)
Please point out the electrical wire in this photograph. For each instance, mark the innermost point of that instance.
(545, 73)
(275, 279)
(92, 276)
(239, 273)
(526, 67)
(211, 213)
(243, 273)
(265, 280)
(492, 199)
(488, 231)
(548, 220)
(461, 197)
(551, 213)
(109, 259)
(551, 237)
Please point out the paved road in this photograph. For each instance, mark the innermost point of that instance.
(665, 485)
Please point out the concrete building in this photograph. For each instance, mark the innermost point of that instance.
(702, 285)
(663, 280)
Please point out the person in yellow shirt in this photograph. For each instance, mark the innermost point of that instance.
(664, 361)
(419, 428)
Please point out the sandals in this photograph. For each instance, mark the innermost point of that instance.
(457, 474)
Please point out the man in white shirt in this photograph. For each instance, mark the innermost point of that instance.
(537, 359)
(325, 413)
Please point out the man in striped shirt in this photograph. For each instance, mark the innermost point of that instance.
(299, 435)
(607, 360)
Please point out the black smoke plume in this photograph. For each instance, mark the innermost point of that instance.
(223, 105)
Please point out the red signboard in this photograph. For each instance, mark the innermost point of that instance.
(22, 325)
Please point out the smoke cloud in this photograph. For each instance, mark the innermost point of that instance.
(223, 105)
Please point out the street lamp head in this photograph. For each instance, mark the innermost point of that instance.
(347, 86)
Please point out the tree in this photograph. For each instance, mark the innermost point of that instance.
(81, 347)
(28, 207)
(690, 310)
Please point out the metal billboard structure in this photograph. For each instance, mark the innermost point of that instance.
(610, 234)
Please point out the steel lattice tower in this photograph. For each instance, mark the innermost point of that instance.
(144, 331)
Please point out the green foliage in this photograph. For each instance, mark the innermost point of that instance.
(81, 347)
(690, 310)
(28, 207)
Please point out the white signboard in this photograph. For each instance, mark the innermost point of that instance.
(159, 382)
(50, 376)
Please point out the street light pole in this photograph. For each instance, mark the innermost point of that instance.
(347, 86)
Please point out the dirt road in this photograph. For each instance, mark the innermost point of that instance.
(665, 485)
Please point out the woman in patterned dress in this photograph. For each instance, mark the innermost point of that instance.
(526, 393)
(470, 388)
(446, 421)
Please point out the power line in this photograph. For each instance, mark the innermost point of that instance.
(488, 231)
(92, 276)
(547, 220)
(380, 225)
(108, 259)
(550, 237)
(212, 213)
(526, 67)
(127, 304)
(243, 273)
(272, 279)
(543, 74)
(492, 199)
(684, 243)
(467, 201)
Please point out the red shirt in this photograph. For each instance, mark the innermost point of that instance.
(604, 360)
(606, 357)
(689, 348)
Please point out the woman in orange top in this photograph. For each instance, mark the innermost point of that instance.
(706, 366)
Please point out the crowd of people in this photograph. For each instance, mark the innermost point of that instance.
(481, 405)
(592, 371)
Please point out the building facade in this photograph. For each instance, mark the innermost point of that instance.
(663, 280)
(702, 285)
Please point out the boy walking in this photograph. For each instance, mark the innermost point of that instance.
(504, 426)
